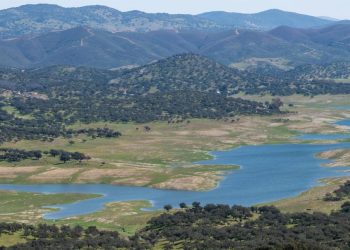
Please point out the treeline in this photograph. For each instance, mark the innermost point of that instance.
(211, 227)
(225, 227)
(51, 237)
(13, 155)
(67, 156)
(43, 126)
(95, 132)
(16, 155)
(145, 108)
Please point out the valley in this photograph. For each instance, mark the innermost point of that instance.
(208, 130)
(163, 157)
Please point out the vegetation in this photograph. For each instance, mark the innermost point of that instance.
(200, 227)
(30, 207)
(47, 100)
(15, 155)
(343, 192)
(56, 97)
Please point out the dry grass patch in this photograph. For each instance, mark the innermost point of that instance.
(339, 157)
(200, 183)
(55, 174)
(95, 174)
(312, 200)
(13, 172)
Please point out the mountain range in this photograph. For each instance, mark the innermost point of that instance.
(42, 18)
(282, 47)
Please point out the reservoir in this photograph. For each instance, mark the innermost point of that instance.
(268, 173)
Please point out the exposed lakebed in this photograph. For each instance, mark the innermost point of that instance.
(268, 173)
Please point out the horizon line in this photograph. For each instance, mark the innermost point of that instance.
(173, 13)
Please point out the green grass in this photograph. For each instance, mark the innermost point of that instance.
(8, 240)
(312, 200)
(16, 113)
(22, 206)
(124, 217)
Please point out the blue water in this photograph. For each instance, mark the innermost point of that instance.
(345, 107)
(268, 173)
(344, 123)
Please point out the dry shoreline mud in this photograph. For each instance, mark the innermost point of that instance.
(340, 157)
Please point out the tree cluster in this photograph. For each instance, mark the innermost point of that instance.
(47, 237)
(203, 227)
(224, 227)
(67, 156)
(339, 194)
(13, 155)
(16, 155)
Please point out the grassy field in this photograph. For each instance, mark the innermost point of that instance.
(8, 240)
(280, 63)
(22, 207)
(312, 200)
(125, 217)
(29, 207)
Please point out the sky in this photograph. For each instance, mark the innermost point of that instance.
(332, 8)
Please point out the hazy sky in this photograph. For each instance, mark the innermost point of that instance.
(334, 8)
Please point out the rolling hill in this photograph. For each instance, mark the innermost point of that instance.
(42, 18)
(265, 20)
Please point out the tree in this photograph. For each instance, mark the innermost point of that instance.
(65, 156)
(183, 205)
(196, 204)
(78, 156)
(37, 154)
(54, 152)
(168, 207)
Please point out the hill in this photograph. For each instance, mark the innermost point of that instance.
(174, 89)
(62, 95)
(42, 18)
(265, 20)
(84, 46)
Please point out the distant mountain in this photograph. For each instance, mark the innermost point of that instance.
(265, 20)
(42, 18)
(83, 46)
(95, 48)
(329, 18)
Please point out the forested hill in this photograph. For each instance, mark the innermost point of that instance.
(178, 73)
(41, 18)
(190, 71)
(177, 88)
(51, 98)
